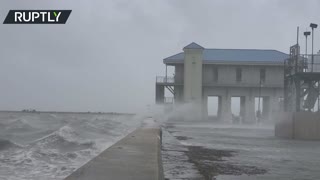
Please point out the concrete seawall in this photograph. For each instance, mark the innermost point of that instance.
(137, 157)
(298, 125)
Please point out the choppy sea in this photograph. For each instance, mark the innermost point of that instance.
(51, 146)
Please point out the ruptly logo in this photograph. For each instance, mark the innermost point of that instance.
(37, 17)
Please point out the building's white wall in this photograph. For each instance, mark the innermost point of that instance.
(250, 75)
(178, 74)
(227, 75)
(193, 75)
(274, 75)
(207, 74)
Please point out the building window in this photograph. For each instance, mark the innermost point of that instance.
(262, 75)
(215, 74)
(238, 74)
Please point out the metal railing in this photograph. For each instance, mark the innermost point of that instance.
(165, 79)
(304, 64)
(312, 66)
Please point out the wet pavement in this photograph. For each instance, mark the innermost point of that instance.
(224, 152)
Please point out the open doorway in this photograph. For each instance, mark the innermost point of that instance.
(213, 107)
(168, 95)
(169, 90)
(235, 109)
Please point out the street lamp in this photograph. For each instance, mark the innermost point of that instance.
(313, 26)
(306, 34)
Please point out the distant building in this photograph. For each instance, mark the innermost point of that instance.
(225, 73)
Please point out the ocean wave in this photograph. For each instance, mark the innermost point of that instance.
(65, 139)
(7, 144)
(53, 116)
(106, 128)
(17, 124)
(55, 144)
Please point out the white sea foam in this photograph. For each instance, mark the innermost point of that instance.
(64, 143)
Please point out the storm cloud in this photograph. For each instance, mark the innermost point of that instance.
(108, 54)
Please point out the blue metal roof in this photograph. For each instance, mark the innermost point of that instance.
(234, 55)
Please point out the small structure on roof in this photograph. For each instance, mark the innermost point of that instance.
(248, 74)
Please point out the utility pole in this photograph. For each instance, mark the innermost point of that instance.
(313, 26)
(306, 34)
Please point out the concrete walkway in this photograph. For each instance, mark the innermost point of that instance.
(236, 152)
(135, 157)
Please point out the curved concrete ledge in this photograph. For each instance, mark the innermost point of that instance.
(136, 157)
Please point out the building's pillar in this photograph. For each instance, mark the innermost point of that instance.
(226, 109)
(274, 108)
(192, 86)
(266, 108)
(242, 108)
(250, 116)
(159, 94)
(205, 108)
(219, 107)
(178, 94)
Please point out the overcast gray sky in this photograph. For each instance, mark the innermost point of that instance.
(107, 55)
